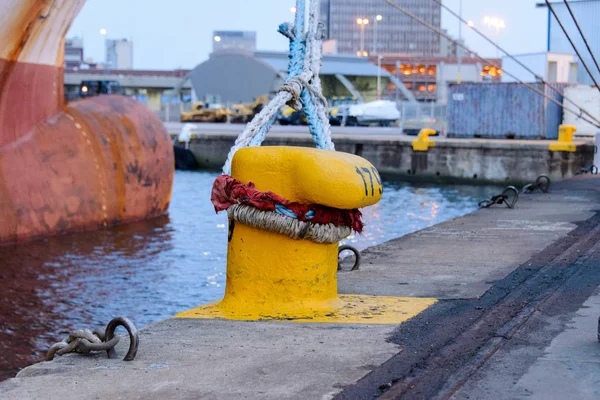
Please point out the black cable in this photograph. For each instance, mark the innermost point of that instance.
(572, 44)
(582, 35)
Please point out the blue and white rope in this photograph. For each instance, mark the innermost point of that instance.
(302, 88)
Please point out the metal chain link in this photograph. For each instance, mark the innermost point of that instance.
(542, 183)
(503, 198)
(84, 341)
(588, 169)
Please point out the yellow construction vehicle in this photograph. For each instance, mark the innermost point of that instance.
(289, 116)
(201, 112)
(243, 113)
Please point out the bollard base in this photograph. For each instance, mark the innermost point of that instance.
(351, 309)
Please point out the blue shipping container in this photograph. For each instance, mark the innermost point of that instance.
(503, 110)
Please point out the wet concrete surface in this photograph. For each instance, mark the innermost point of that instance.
(418, 359)
(555, 354)
(462, 258)
(456, 338)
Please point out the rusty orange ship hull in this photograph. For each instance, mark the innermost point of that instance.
(90, 164)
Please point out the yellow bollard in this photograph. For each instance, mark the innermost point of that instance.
(423, 143)
(272, 276)
(565, 139)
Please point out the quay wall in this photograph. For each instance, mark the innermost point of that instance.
(454, 160)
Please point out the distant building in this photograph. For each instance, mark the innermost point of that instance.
(119, 54)
(427, 78)
(237, 76)
(586, 12)
(73, 53)
(552, 67)
(394, 32)
(234, 40)
(451, 49)
(153, 88)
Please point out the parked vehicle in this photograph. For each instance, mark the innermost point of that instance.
(339, 109)
(244, 113)
(379, 112)
(203, 112)
(289, 116)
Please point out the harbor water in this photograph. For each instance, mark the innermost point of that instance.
(151, 270)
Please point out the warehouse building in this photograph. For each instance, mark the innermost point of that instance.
(239, 77)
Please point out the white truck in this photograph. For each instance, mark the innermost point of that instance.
(379, 112)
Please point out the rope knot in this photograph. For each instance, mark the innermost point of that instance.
(294, 86)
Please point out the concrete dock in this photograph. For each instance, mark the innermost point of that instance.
(516, 317)
(485, 161)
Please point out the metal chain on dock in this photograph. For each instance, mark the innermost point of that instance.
(84, 341)
(503, 198)
(542, 183)
(588, 169)
(346, 247)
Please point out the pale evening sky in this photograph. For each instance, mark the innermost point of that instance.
(178, 33)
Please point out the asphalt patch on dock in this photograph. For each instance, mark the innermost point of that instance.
(449, 335)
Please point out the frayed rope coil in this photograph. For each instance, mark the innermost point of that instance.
(293, 228)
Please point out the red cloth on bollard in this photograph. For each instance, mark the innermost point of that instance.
(228, 191)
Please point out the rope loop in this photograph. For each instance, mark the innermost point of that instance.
(294, 86)
(302, 90)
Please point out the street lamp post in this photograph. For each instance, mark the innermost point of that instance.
(378, 19)
(379, 58)
(374, 51)
(362, 22)
(103, 33)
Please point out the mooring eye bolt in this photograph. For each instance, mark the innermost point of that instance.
(84, 341)
(354, 250)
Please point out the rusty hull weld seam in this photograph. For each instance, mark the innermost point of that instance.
(99, 175)
(113, 134)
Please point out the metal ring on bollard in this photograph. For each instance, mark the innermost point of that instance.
(356, 265)
(134, 338)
